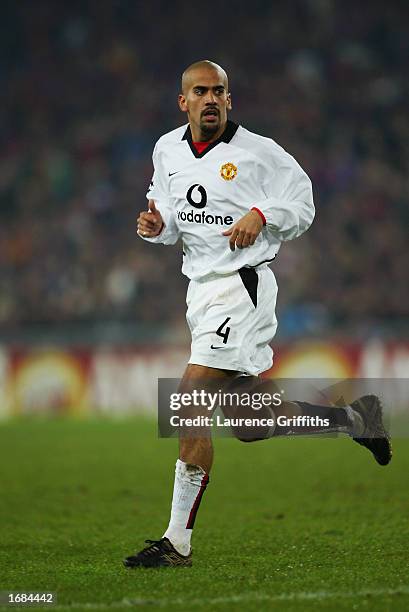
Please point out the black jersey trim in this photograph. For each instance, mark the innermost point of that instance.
(229, 132)
(264, 261)
(249, 278)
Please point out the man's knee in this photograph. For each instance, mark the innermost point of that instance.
(251, 419)
(195, 373)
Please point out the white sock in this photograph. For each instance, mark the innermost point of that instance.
(357, 426)
(190, 484)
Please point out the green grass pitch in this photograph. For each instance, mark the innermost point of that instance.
(290, 524)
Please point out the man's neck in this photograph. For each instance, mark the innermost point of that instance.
(199, 136)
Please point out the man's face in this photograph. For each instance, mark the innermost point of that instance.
(206, 101)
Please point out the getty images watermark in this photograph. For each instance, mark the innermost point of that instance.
(231, 400)
(250, 408)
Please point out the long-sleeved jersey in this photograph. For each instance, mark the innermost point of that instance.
(200, 195)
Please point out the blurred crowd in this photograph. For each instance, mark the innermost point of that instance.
(88, 87)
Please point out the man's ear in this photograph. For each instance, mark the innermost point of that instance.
(182, 103)
(229, 104)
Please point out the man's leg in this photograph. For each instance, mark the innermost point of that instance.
(191, 476)
(361, 419)
(195, 459)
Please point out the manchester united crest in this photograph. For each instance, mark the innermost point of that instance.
(228, 171)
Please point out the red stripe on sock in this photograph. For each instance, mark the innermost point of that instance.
(195, 507)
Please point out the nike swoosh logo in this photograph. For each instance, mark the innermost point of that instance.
(172, 173)
(216, 347)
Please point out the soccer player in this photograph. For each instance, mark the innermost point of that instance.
(232, 197)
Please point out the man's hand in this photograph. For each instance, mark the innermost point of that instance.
(150, 223)
(244, 233)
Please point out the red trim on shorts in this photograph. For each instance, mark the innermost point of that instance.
(196, 504)
(261, 214)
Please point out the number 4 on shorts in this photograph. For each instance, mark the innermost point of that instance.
(224, 334)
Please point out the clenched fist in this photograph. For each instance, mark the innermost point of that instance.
(245, 231)
(150, 223)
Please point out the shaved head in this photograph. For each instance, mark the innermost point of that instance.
(189, 73)
(206, 100)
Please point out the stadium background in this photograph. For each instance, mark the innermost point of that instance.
(90, 314)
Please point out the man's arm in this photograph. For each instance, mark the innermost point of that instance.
(289, 208)
(150, 222)
(245, 231)
(287, 212)
(157, 224)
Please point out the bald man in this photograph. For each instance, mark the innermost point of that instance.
(207, 115)
(232, 197)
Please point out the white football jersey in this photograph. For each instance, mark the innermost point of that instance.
(201, 195)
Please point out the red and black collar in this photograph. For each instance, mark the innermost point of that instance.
(229, 132)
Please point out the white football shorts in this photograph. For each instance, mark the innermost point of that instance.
(232, 320)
